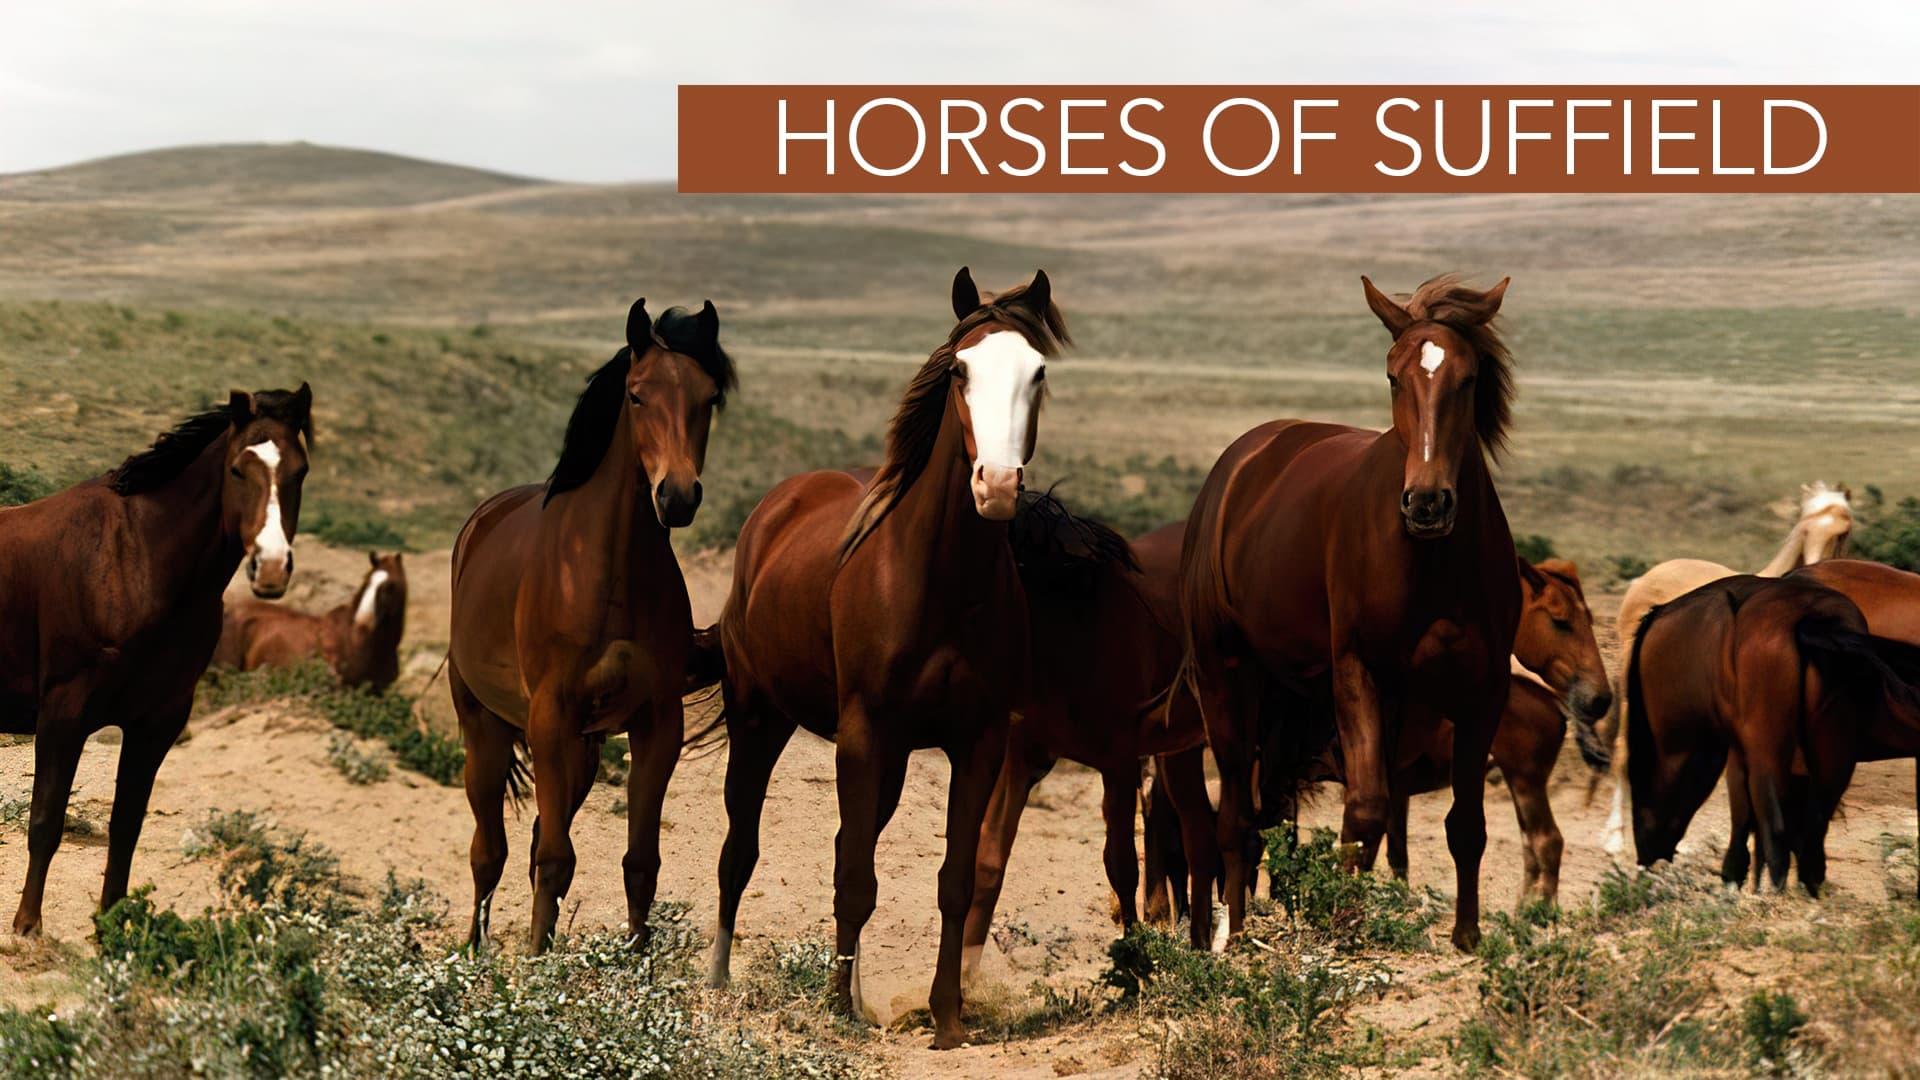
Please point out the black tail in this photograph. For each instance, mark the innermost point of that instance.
(519, 775)
(1638, 732)
(1877, 673)
(706, 674)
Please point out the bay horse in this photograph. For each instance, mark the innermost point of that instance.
(1825, 521)
(359, 639)
(571, 619)
(889, 617)
(110, 604)
(1372, 569)
(1774, 671)
(1103, 622)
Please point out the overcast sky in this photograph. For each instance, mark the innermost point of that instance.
(585, 91)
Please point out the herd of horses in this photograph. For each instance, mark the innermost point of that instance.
(1340, 605)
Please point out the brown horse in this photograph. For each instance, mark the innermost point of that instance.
(110, 604)
(1105, 642)
(1370, 569)
(889, 617)
(359, 640)
(571, 619)
(1777, 671)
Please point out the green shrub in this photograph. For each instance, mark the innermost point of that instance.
(1313, 881)
(19, 486)
(1533, 547)
(1771, 1020)
(349, 531)
(1891, 536)
(1627, 567)
(358, 766)
(386, 715)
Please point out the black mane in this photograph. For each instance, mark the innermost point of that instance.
(590, 428)
(178, 447)
(1058, 551)
(678, 329)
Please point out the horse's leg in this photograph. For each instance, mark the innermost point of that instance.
(868, 773)
(1397, 833)
(1123, 869)
(1172, 842)
(1364, 748)
(1737, 861)
(653, 762)
(563, 769)
(754, 745)
(56, 756)
(975, 765)
(1827, 743)
(1154, 845)
(1184, 778)
(1613, 836)
(1231, 713)
(489, 742)
(142, 747)
(1475, 724)
(1767, 769)
(1023, 768)
(1540, 839)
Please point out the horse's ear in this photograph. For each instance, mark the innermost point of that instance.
(1534, 580)
(1391, 315)
(1492, 297)
(709, 323)
(373, 559)
(240, 407)
(1560, 568)
(639, 328)
(303, 400)
(966, 295)
(1039, 295)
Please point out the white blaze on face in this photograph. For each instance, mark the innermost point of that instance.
(1431, 357)
(369, 596)
(1002, 393)
(271, 545)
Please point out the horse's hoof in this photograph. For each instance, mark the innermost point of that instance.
(1466, 938)
(949, 1038)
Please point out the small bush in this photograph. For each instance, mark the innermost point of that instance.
(614, 765)
(354, 532)
(1533, 547)
(1627, 567)
(18, 486)
(1891, 536)
(386, 716)
(358, 766)
(1771, 1020)
(1315, 885)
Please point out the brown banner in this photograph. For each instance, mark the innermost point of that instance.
(1300, 139)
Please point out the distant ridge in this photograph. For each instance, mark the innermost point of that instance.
(297, 174)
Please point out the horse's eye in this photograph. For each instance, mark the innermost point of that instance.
(1563, 626)
(714, 401)
(635, 399)
(235, 471)
(1040, 376)
(1393, 383)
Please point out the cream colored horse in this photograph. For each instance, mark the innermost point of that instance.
(1826, 517)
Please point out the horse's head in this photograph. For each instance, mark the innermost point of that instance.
(382, 598)
(999, 366)
(677, 377)
(266, 465)
(1555, 641)
(1450, 386)
(1826, 520)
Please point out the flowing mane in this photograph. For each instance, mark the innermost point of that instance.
(916, 423)
(1058, 551)
(179, 446)
(1463, 310)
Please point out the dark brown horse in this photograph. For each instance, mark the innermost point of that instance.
(889, 617)
(1104, 629)
(1784, 674)
(359, 640)
(571, 619)
(110, 604)
(1372, 570)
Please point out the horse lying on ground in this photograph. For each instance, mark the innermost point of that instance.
(889, 617)
(1821, 531)
(571, 619)
(1769, 670)
(359, 640)
(110, 604)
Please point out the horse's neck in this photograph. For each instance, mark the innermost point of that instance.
(935, 526)
(182, 525)
(608, 523)
(1788, 556)
(360, 646)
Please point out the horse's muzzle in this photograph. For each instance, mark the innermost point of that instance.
(675, 505)
(996, 491)
(1428, 512)
(269, 577)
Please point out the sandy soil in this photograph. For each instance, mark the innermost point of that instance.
(1053, 919)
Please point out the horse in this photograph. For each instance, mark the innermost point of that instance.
(1372, 569)
(110, 604)
(571, 618)
(1889, 599)
(888, 617)
(1557, 676)
(359, 640)
(1773, 670)
(1821, 531)
(1103, 618)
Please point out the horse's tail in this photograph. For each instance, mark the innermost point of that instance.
(437, 672)
(1634, 711)
(706, 677)
(519, 774)
(1879, 675)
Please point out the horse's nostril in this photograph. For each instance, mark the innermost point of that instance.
(1406, 501)
(697, 493)
(1446, 501)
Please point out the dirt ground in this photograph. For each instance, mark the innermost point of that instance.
(1053, 920)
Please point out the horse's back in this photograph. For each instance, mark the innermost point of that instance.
(1888, 597)
(489, 560)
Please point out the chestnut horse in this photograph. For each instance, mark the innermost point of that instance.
(1374, 569)
(359, 640)
(889, 617)
(110, 604)
(1777, 671)
(571, 619)
(1105, 642)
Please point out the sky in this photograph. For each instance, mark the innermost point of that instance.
(585, 91)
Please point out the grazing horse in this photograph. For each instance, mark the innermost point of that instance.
(1826, 519)
(110, 604)
(359, 640)
(1777, 671)
(571, 619)
(1105, 642)
(1374, 569)
(889, 617)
